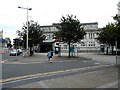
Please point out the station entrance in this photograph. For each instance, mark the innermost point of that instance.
(45, 46)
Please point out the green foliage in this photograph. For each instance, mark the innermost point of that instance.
(117, 18)
(70, 30)
(110, 34)
(8, 39)
(35, 35)
(9, 42)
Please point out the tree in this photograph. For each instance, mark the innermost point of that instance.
(117, 18)
(9, 42)
(70, 30)
(35, 35)
(109, 35)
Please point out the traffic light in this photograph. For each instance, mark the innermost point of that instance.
(20, 43)
(16, 42)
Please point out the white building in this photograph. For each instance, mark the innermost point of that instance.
(89, 43)
(118, 8)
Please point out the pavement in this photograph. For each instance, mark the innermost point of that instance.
(105, 78)
(42, 58)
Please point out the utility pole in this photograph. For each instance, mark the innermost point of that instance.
(116, 52)
(27, 29)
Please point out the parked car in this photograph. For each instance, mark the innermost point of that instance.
(14, 52)
(19, 51)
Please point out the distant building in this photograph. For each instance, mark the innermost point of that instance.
(3, 44)
(89, 43)
(118, 8)
(1, 36)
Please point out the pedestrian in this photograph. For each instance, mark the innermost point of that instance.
(49, 55)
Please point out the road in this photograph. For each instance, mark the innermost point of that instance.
(8, 57)
(17, 73)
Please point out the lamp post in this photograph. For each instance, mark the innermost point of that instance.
(27, 26)
(117, 62)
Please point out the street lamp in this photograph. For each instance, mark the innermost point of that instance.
(119, 26)
(27, 26)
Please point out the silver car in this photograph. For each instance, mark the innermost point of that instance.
(14, 52)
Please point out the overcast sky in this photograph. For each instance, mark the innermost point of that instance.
(46, 12)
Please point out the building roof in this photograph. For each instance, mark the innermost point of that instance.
(46, 26)
(89, 23)
(57, 24)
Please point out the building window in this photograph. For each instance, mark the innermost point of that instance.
(82, 44)
(49, 29)
(91, 27)
(50, 36)
(91, 35)
(91, 43)
(74, 46)
(42, 30)
(65, 46)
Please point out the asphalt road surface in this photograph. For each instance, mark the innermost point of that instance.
(7, 56)
(18, 74)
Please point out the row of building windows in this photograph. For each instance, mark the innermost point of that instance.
(90, 27)
(49, 29)
(91, 36)
(66, 48)
(90, 44)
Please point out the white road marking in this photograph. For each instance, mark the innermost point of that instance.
(42, 84)
(97, 63)
(109, 84)
(27, 79)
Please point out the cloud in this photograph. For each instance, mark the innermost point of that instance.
(7, 27)
(50, 11)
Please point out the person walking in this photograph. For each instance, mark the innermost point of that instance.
(49, 55)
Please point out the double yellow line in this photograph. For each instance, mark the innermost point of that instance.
(55, 72)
